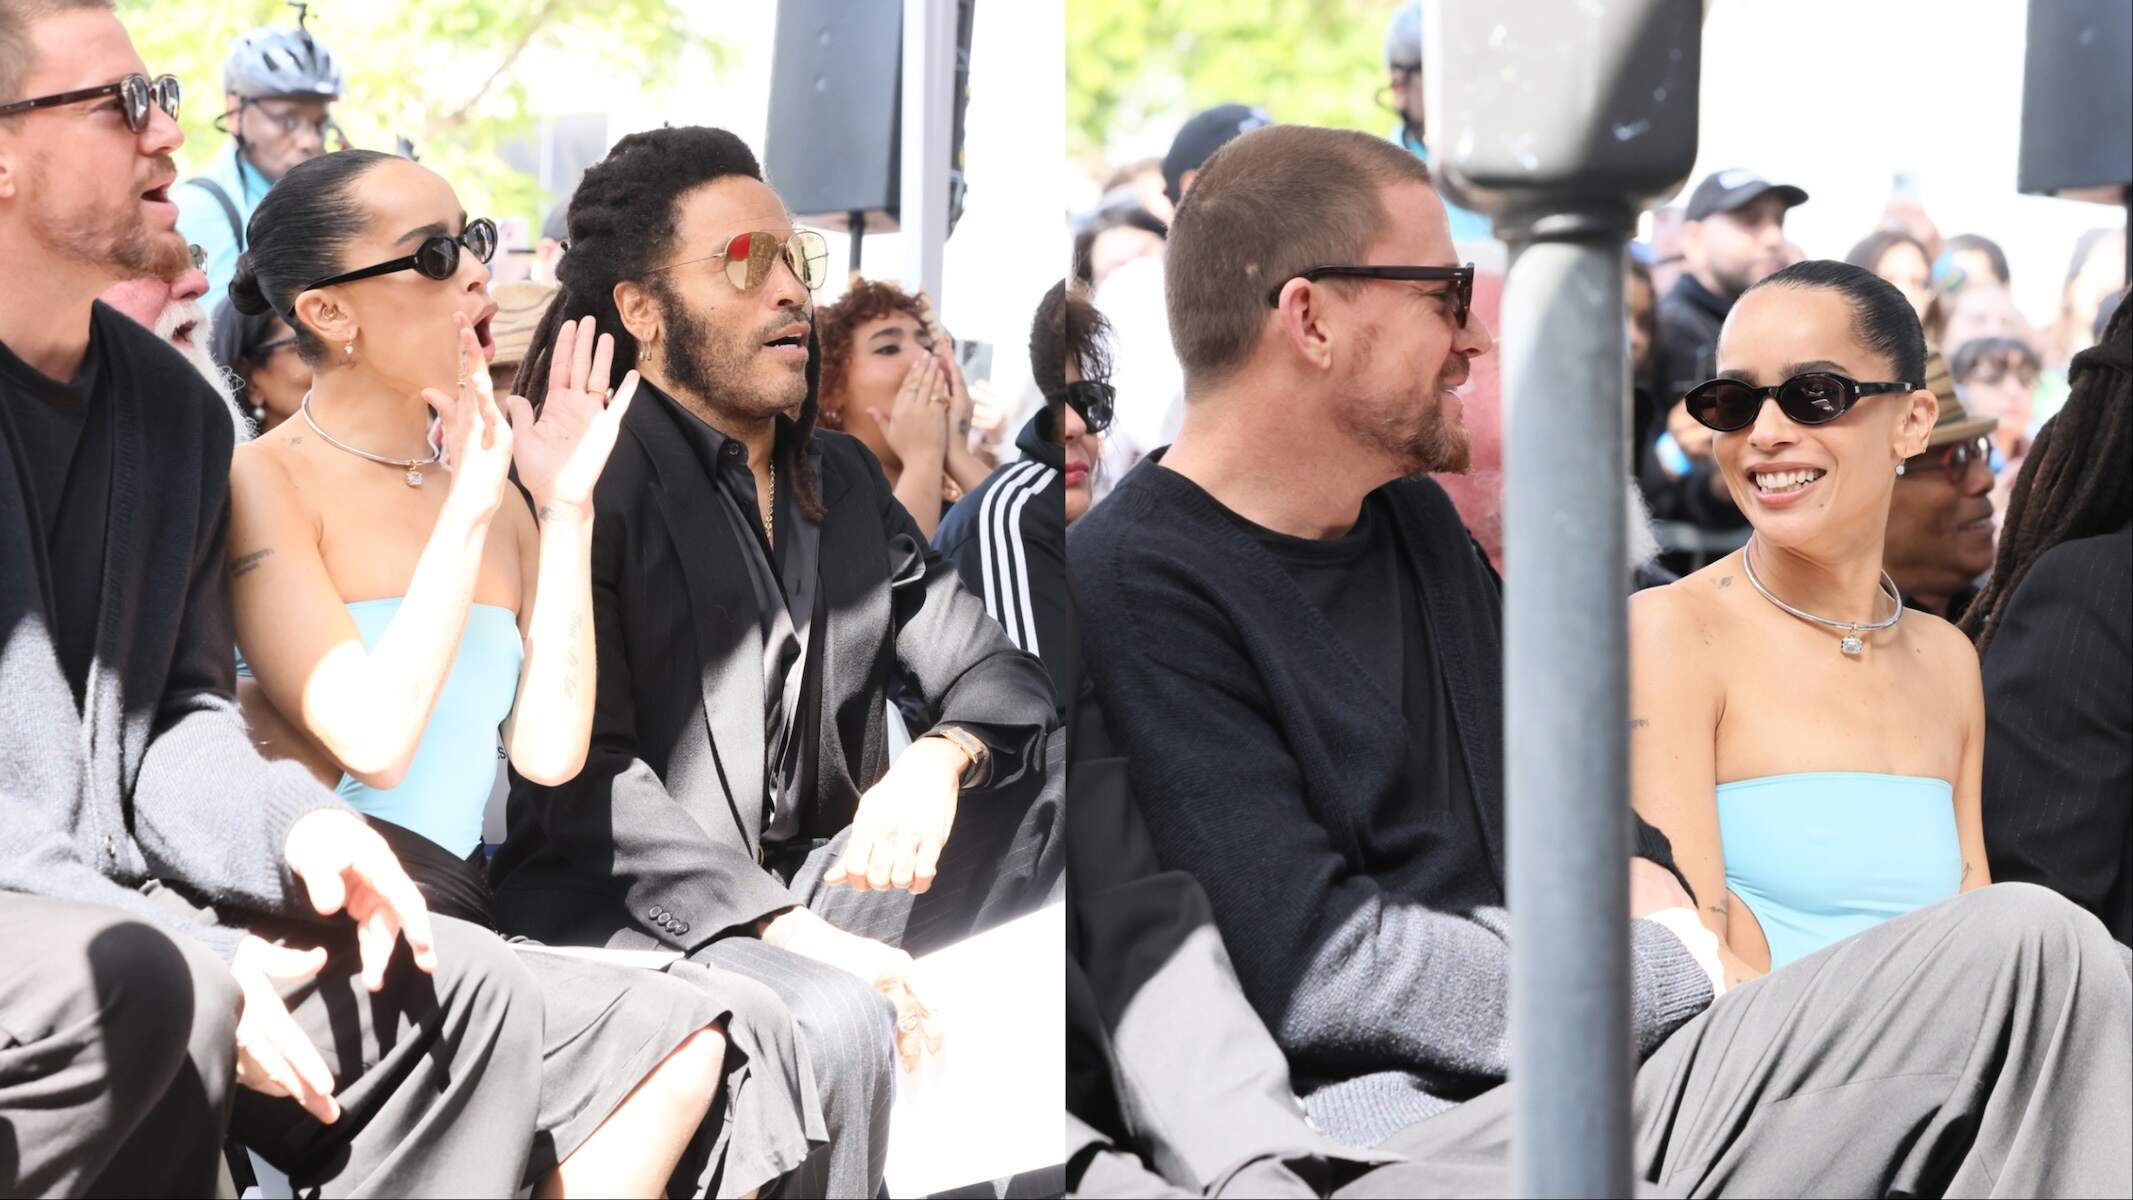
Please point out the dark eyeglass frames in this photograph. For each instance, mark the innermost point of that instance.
(1462, 279)
(436, 258)
(750, 258)
(1815, 398)
(135, 92)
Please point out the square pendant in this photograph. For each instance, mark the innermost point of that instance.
(1851, 644)
(414, 478)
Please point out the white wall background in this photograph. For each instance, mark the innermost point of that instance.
(1838, 95)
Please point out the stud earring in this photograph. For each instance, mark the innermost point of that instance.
(350, 348)
(1899, 468)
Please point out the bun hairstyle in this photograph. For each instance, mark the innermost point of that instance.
(623, 223)
(1882, 319)
(297, 235)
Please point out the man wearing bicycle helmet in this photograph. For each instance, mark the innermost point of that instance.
(278, 86)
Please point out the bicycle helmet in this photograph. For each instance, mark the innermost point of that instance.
(274, 63)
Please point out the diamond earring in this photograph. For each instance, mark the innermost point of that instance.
(1899, 468)
(350, 348)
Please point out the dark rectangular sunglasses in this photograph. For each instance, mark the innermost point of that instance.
(1462, 277)
(135, 92)
(1815, 398)
(436, 258)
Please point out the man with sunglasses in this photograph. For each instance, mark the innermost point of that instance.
(167, 899)
(1941, 533)
(756, 589)
(278, 86)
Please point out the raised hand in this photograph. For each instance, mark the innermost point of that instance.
(561, 452)
(917, 425)
(477, 440)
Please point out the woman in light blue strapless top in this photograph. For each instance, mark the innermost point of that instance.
(1811, 748)
(406, 616)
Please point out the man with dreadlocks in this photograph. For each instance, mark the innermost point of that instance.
(2054, 628)
(756, 588)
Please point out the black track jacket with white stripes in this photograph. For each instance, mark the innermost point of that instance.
(1007, 540)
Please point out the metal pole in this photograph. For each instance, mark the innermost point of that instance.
(1566, 397)
(857, 228)
(928, 104)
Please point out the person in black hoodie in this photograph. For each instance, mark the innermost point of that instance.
(1733, 236)
(1007, 538)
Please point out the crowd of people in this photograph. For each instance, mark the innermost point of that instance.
(792, 660)
(1880, 723)
(308, 530)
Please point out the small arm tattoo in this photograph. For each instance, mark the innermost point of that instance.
(1725, 581)
(1639, 723)
(547, 512)
(1966, 876)
(248, 562)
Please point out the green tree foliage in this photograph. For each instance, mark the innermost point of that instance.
(1318, 62)
(454, 77)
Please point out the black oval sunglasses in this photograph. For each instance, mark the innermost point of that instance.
(436, 258)
(1814, 398)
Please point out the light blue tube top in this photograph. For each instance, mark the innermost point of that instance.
(454, 769)
(1821, 855)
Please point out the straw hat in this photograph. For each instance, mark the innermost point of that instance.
(1955, 424)
(519, 306)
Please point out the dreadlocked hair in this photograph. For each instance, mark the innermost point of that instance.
(2078, 478)
(623, 223)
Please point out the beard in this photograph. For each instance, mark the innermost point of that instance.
(1415, 428)
(177, 315)
(113, 237)
(716, 366)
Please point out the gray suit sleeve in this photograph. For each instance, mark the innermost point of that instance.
(966, 668)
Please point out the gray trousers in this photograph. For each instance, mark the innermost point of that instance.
(118, 1047)
(439, 1076)
(1979, 1047)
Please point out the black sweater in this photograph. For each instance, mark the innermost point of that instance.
(1258, 762)
(152, 779)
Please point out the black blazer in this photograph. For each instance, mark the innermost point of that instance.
(2058, 779)
(658, 840)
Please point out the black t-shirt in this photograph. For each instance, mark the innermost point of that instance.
(60, 433)
(1365, 585)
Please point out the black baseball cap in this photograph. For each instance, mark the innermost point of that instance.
(1724, 191)
(1206, 133)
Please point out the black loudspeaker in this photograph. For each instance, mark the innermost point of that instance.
(836, 111)
(2077, 100)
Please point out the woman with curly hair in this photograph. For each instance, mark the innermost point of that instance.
(889, 380)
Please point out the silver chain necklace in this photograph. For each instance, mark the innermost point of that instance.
(1851, 643)
(412, 466)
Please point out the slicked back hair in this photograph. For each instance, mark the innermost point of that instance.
(16, 18)
(1273, 202)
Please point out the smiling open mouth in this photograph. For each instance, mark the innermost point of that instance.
(1777, 483)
